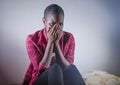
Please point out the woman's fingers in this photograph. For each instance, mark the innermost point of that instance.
(55, 32)
(59, 30)
(53, 29)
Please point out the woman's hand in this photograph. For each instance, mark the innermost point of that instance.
(51, 33)
(58, 35)
(54, 34)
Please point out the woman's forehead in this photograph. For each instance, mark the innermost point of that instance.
(55, 18)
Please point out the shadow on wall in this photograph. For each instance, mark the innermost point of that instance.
(114, 38)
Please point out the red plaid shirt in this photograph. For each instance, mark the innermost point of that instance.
(36, 45)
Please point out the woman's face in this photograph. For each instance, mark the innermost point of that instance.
(53, 19)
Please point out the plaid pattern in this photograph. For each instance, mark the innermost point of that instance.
(36, 45)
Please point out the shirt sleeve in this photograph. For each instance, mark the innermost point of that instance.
(71, 48)
(34, 53)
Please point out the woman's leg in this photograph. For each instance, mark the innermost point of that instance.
(55, 75)
(42, 79)
(72, 76)
(51, 76)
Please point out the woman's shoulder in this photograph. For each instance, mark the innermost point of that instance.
(68, 34)
(34, 36)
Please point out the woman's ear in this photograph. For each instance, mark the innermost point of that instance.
(43, 19)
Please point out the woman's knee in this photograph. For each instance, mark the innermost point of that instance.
(72, 76)
(55, 75)
(71, 66)
(56, 68)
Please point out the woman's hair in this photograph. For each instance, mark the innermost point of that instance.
(53, 9)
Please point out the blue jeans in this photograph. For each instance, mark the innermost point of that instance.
(55, 75)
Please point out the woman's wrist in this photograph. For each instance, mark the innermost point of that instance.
(56, 44)
(50, 41)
